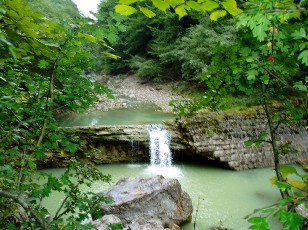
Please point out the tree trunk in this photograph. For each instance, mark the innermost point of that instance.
(273, 141)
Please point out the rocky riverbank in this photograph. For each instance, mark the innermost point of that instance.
(130, 88)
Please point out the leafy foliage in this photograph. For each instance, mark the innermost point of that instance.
(137, 37)
(268, 60)
(218, 8)
(197, 48)
(42, 69)
(55, 10)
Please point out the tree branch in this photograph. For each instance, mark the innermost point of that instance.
(22, 200)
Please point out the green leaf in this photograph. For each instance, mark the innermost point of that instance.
(209, 5)
(110, 55)
(268, 209)
(299, 34)
(258, 223)
(262, 135)
(125, 10)
(43, 64)
(31, 164)
(175, 3)
(90, 38)
(265, 79)
(127, 2)
(288, 169)
(249, 143)
(250, 59)
(291, 220)
(194, 5)
(217, 14)
(251, 74)
(161, 5)
(300, 86)
(282, 185)
(285, 201)
(181, 11)
(259, 32)
(147, 12)
(304, 56)
(231, 7)
(297, 183)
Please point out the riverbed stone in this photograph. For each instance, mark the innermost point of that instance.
(156, 201)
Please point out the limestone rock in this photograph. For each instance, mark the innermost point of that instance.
(157, 201)
(102, 224)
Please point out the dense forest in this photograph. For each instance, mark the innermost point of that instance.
(237, 52)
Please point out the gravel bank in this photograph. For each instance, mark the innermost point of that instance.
(130, 87)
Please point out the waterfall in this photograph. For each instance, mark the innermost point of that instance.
(159, 146)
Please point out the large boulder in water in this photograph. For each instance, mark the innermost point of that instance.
(155, 201)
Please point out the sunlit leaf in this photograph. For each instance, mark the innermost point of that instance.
(231, 7)
(125, 10)
(175, 3)
(161, 5)
(209, 5)
(147, 12)
(194, 5)
(127, 2)
(90, 38)
(181, 11)
(273, 180)
(111, 55)
(217, 14)
(297, 183)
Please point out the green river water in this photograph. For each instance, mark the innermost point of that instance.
(140, 115)
(225, 197)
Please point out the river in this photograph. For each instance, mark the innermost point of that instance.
(225, 197)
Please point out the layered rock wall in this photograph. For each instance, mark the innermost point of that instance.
(222, 136)
(219, 137)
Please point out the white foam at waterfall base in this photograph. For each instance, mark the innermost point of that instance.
(160, 153)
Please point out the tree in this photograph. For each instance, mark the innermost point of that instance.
(41, 72)
(269, 59)
(55, 10)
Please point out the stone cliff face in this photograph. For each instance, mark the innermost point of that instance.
(215, 136)
(222, 136)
